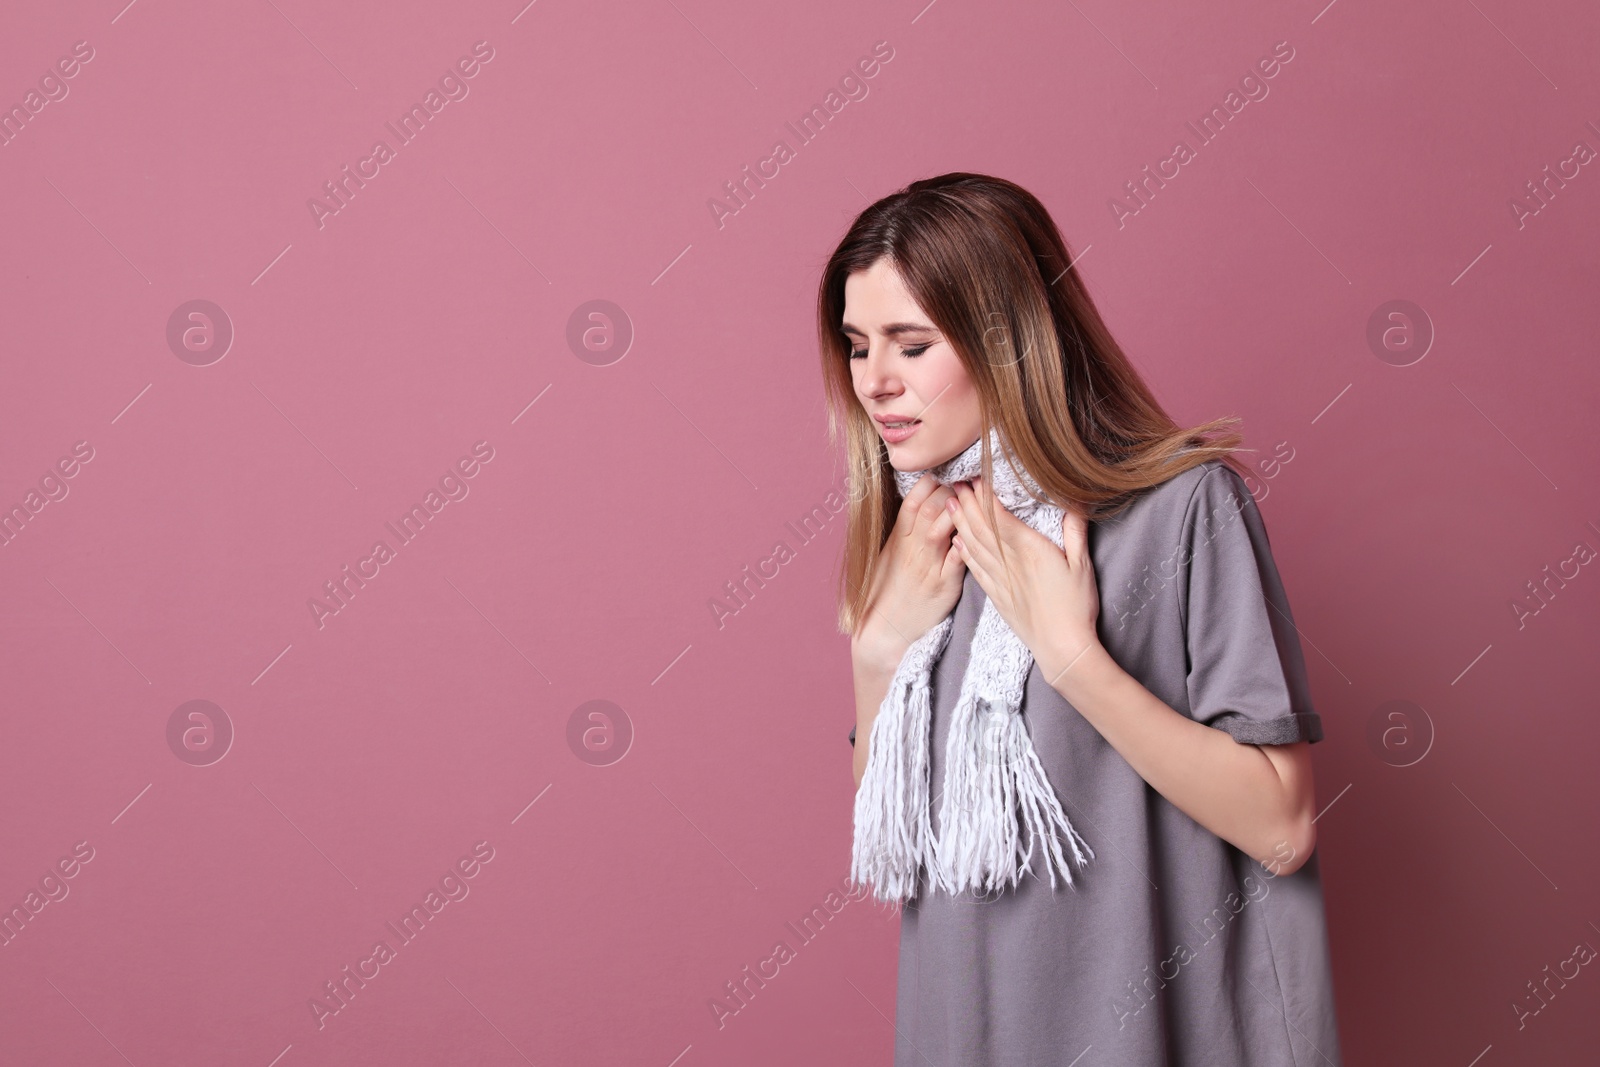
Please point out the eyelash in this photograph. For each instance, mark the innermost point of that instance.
(910, 353)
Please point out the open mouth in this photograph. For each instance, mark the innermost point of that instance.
(895, 432)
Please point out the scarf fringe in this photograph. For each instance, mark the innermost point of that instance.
(893, 833)
(992, 771)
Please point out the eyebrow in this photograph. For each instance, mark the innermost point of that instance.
(894, 329)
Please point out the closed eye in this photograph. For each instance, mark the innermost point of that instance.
(909, 353)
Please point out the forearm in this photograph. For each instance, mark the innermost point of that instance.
(874, 669)
(1232, 789)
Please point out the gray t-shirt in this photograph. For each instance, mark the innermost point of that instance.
(1172, 947)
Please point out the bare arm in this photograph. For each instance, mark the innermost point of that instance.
(874, 669)
(1258, 798)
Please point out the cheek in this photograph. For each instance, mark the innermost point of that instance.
(960, 384)
(938, 379)
(958, 406)
(951, 383)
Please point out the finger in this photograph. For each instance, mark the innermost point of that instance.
(1074, 536)
(979, 497)
(964, 494)
(953, 560)
(941, 495)
(976, 549)
(973, 521)
(912, 502)
(933, 517)
(919, 492)
(981, 488)
(997, 544)
(987, 504)
(959, 512)
(938, 535)
(916, 515)
(955, 510)
(972, 561)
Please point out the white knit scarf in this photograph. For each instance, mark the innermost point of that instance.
(992, 773)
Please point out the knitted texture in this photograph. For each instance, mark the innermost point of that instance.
(994, 784)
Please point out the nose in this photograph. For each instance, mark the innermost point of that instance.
(874, 377)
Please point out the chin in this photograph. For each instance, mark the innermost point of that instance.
(925, 451)
(906, 459)
(918, 458)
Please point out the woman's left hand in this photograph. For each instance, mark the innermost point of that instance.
(1047, 595)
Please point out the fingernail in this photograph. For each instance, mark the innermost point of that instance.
(950, 505)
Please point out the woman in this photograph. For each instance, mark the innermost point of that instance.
(1158, 743)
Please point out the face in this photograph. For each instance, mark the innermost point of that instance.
(906, 372)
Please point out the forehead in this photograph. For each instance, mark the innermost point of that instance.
(876, 300)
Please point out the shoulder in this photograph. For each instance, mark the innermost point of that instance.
(1187, 510)
(1203, 487)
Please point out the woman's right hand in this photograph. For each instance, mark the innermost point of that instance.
(918, 576)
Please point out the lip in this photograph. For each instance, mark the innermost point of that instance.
(895, 435)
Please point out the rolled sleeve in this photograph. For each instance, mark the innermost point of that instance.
(1246, 672)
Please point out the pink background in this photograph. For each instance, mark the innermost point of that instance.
(370, 754)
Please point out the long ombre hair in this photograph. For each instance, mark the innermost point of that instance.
(984, 260)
